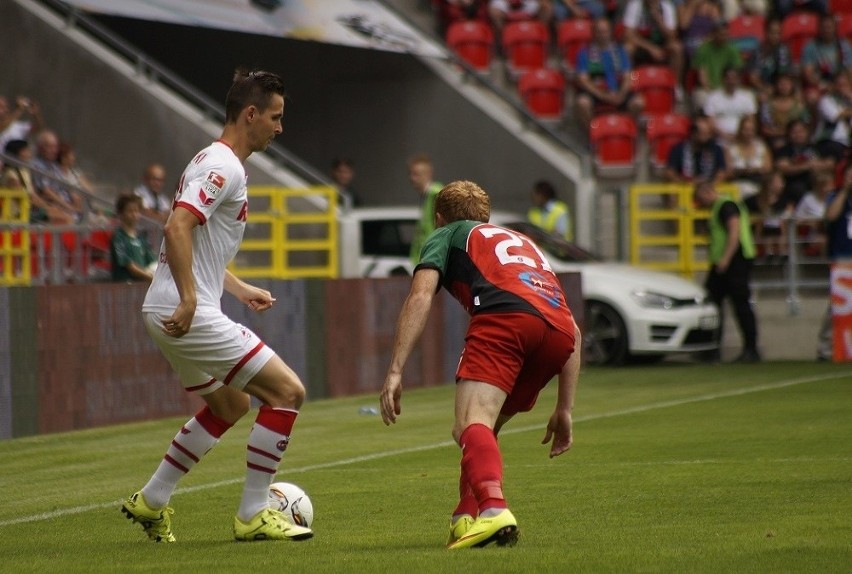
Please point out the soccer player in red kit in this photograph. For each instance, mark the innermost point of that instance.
(521, 335)
(221, 361)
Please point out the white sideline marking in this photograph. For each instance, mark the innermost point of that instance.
(387, 453)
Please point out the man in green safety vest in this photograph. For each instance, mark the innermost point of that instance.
(548, 212)
(731, 253)
(420, 175)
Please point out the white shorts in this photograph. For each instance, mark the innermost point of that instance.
(215, 352)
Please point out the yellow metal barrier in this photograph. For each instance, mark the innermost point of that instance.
(290, 234)
(15, 257)
(669, 238)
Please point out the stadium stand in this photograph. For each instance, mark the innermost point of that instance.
(571, 35)
(525, 45)
(473, 42)
(796, 29)
(662, 133)
(656, 84)
(613, 139)
(543, 93)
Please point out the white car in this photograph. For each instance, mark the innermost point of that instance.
(630, 314)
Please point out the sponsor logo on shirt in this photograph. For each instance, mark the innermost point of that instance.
(541, 286)
(202, 197)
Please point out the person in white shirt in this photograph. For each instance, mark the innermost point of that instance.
(156, 204)
(221, 361)
(13, 126)
(729, 104)
(651, 34)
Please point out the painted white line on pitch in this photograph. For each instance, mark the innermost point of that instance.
(413, 449)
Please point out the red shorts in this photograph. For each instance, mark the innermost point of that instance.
(516, 352)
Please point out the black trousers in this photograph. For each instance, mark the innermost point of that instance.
(733, 284)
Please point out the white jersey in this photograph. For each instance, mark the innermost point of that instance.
(213, 188)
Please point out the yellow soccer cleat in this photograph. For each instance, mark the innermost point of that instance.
(156, 523)
(269, 525)
(459, 527)
(502, 529)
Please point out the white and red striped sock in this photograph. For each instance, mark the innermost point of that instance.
(193, 441)
(267, 442)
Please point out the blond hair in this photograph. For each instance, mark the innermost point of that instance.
(463, 200)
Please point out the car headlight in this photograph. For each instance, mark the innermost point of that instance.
(653, 300)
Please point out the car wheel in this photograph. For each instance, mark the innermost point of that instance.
(605, 336)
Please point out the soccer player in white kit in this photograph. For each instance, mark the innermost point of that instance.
(223, 362)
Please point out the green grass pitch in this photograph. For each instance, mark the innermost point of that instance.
(675, 468)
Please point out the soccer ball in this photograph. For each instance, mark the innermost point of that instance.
(293, 502)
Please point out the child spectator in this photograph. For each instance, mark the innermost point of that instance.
(130, 253)
(770, 211)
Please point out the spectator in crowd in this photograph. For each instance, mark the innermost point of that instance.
(342, 175)
(783, 106)
(824, 57)
(651, 34)
(18, 176)
(798, 160)
(155, 203)
(48, 177)
(603, 77)
(838, 220)
(569, 9)
(784, 7)
(729, 104)
(697, 20)
(749, 158)
(420, 174)
(502, 11)
(711, 59)
(130, 254)
(698, 157)
(810, 214)
(449, 11)
(731, 253)
(20, 122)
(834, 113)
(772, 58)
(770, 213)
(548, 212)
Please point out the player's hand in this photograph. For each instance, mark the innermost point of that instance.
(559, 428)
(257, 299)
(181, 320)
(390, 398)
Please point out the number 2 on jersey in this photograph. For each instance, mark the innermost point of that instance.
(501, 250)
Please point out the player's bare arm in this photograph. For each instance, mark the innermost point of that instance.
(410, 325)
(256, 298)
(178, 239)
(560, 425)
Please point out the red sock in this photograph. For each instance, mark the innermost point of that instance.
(483, 466)
(467, 501)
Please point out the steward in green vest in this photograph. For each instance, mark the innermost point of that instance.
(549, 213)
(731, 252)
(420, 176)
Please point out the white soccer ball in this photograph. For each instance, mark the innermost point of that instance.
(293, 502)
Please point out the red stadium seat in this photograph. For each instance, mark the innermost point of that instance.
(796, 29)
(571, 35)
(543, 93)
(656, 84)
(613, 139)
(663, 132)
(473, 42)
(746, 31)
(525, 45)
(840, 7)
(844, 25)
